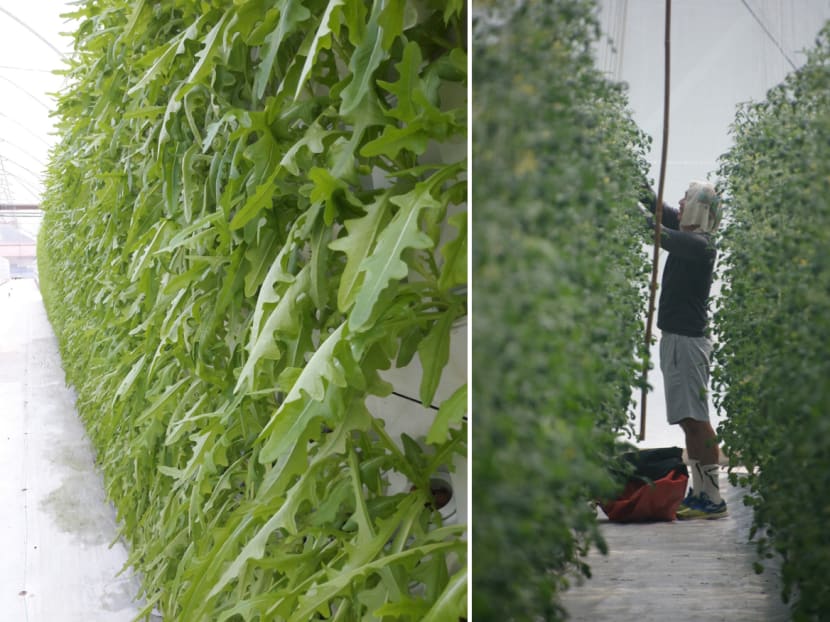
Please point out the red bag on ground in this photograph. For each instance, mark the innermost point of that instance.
(655, 500)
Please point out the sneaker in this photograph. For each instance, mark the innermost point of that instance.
(687, 503)
(702, 507)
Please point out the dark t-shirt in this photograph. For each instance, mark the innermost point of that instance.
(687, 276)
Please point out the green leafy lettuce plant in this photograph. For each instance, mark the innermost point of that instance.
(559, 298)
(253, 210)
(772, 324)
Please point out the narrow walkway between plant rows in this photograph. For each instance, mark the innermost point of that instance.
(685, 571)
(56, 527)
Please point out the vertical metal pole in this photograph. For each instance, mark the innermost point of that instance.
(658, 217)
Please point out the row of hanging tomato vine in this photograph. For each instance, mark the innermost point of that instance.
(771, 320)
(559, 280)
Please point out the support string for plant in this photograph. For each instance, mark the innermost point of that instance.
(658, 221)
(414, 400)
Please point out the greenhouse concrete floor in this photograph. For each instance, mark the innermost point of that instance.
(59, 562)
(686, 571)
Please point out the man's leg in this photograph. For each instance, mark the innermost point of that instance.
(701, 441)
(684, 362)
(702, 447)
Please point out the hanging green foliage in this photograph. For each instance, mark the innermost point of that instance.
(254, 209)
(773, 333)
(559, 298)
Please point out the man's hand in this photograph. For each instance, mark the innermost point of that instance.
(647, 195)
(648, 217)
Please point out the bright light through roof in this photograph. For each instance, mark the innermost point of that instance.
(30, 49)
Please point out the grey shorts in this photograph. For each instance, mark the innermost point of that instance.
(684, 362)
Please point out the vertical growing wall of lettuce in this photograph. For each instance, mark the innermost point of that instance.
(252, 211)
(772, 323)
(559, 297)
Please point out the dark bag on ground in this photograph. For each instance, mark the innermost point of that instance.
(654, 490)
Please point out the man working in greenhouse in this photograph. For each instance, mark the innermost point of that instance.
(685, 347)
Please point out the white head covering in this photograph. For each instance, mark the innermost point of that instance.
(702, 207)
